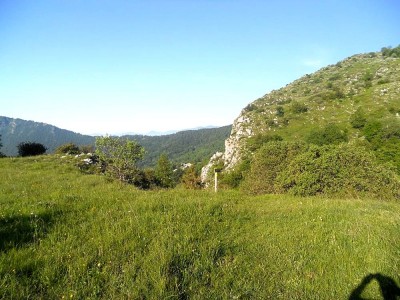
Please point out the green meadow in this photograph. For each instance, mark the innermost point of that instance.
(66, 235)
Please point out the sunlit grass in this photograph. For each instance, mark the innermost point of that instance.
(68, 235)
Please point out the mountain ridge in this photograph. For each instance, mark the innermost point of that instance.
(193, 145)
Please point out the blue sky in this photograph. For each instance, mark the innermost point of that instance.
(115, 66)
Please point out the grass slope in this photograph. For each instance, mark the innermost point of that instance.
(67, 235)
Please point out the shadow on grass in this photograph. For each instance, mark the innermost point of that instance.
(389, 288)
(19, 231)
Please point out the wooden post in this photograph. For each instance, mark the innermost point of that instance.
(216, 171)
(216, 181)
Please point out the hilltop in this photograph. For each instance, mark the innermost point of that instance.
(364, 86)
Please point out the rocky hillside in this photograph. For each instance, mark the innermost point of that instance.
(367, 84)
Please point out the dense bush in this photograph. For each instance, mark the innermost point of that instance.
(330, 134)
(191, 179)
(358, 119)
(255, 142)
(298, 108)
(233, 178)
(338, 170)
(384, 139)
(280, 111)
(30, 149)
(267, 163)
(69, 148)
(119, 157)
(391, 52)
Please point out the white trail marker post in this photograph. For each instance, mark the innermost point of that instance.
(216, 171)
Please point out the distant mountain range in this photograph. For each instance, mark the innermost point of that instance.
(184, 146)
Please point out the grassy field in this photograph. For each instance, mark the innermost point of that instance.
(67, 235)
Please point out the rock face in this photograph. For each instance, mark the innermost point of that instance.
(333, 94)
(240, 130)
(206, 169)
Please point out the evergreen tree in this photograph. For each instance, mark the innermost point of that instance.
(164, 172)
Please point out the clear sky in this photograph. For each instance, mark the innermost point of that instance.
(116, 66)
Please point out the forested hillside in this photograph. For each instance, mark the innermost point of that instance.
(15, 131)
(186, 146)
(193, 146)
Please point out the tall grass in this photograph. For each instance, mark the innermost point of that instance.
(67, 235)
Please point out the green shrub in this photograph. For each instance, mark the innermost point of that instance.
(298, 108)
(280, 111)
(69, 148)
(358, 119)
(384, 139)
(255, 142)
(391, 52)
(338, 170)
(267, 163)
(372, 130)
(330, 134)
(191, 179)
(31, 149)
(234, 178)
(119, 157)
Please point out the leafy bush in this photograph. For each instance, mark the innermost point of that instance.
(255, 142)
(338, 170)
(119, 157)
(330, 134)
(87, 148)
(234, 178)
(372, 131)
(384, 139)
(30, 149)
(391, 52)
(358, 119)
(298, 108)
(280, 111)
(191, 179)
(250, 107)
(69, 148)
(267, 163)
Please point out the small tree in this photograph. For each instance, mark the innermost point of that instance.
(31, 149)
(119, 157)
(191, 179)
(164, 172)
